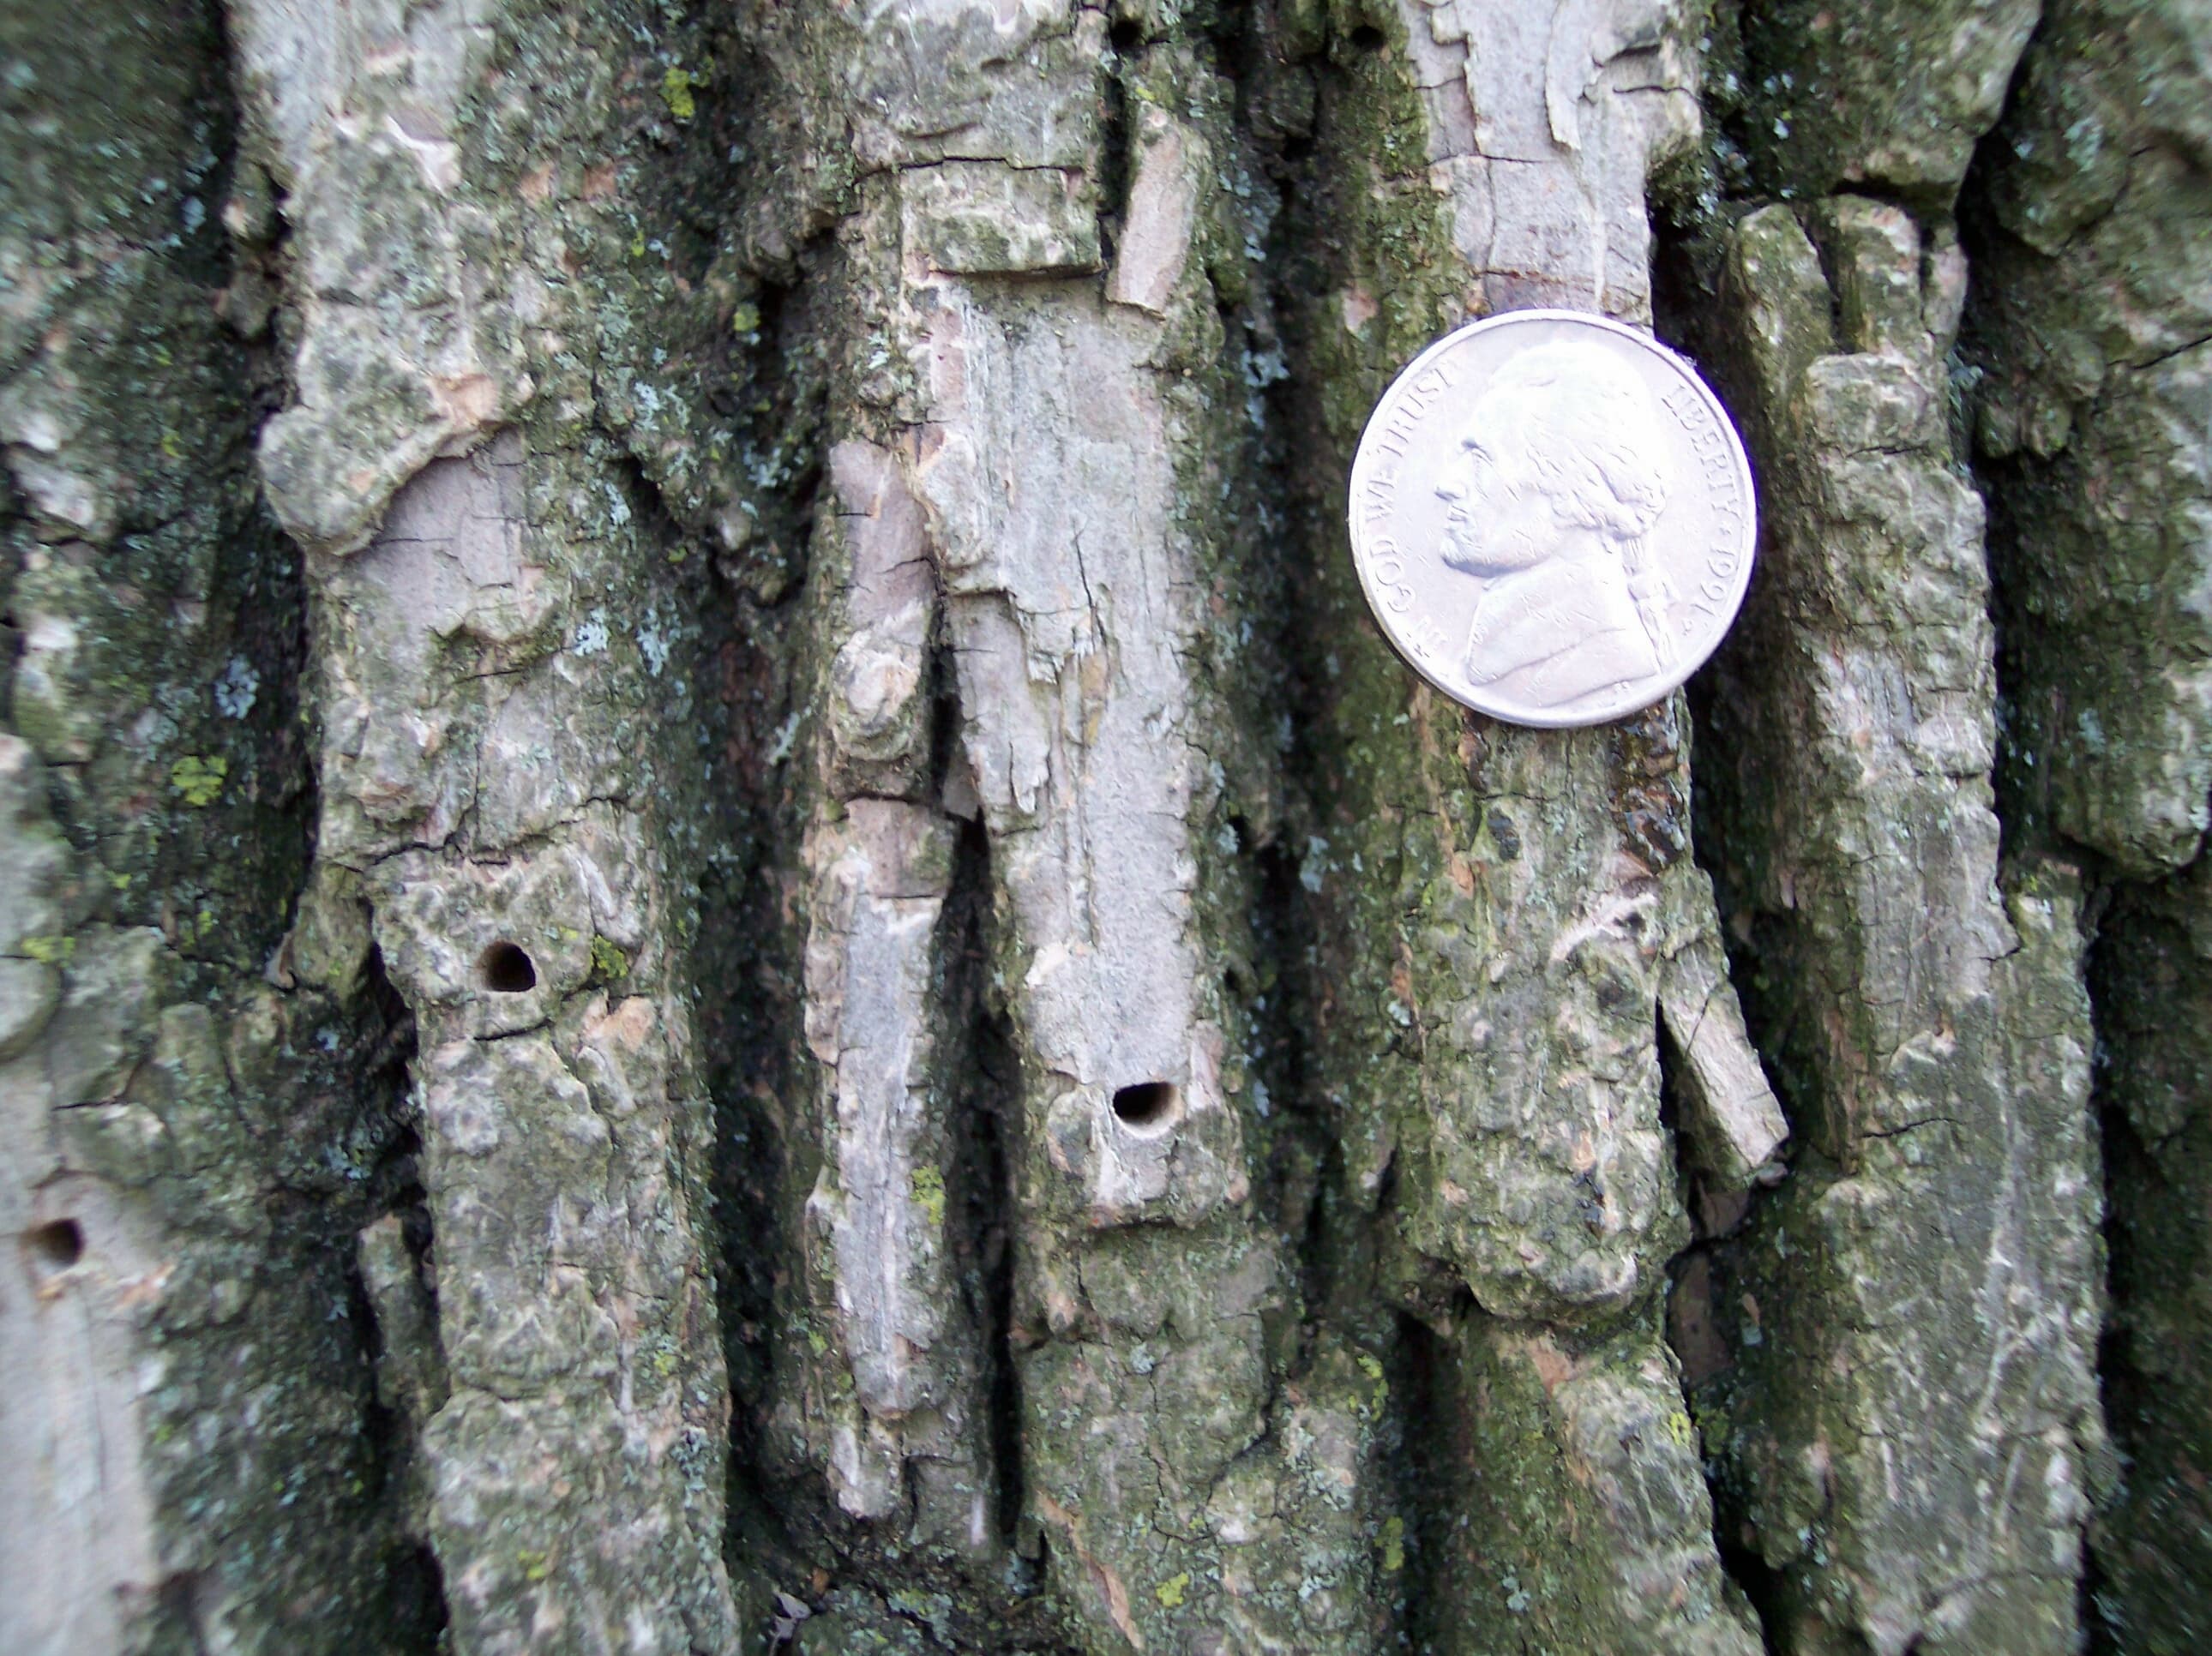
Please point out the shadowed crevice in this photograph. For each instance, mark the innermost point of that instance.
(1688, 209)
(1432, 1474)
(1699, 1338)
(986, 1115)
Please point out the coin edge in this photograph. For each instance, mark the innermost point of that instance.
(1739, 453)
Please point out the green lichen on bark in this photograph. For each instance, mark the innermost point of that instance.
(1457, 1054)
(544, 814)
(196, 1145)
(1538, 1425)
(1890, 96)
(2087, 327)
(1935, 1068)
(2151, 973)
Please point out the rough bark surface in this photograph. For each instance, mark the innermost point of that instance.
(2091, 332)
(721, 932)
(1928, 1277)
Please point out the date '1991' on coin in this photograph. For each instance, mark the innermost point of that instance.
(1553, 518)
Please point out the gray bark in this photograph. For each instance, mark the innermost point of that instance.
(720, 931)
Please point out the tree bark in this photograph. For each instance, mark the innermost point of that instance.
(719, 930)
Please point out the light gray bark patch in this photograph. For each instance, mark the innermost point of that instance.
(81, 1558)
(1573, 106)
(1045, 469)
(511, 881)
(445, 602)
(1733, 1125)
(886, 1277)
(981, 218)
(407, 349)
(879, 678)
(1156, 232)
(886, 1398)
(936, 80)
(1050, 443)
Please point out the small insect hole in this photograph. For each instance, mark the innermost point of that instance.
(1148, 1104)
(1367, 38)
(57, 1245)
(506, 969)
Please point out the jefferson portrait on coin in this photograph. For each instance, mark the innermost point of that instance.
(1559, 473)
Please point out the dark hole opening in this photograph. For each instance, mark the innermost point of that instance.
(1367, 38)
(507, 969)
(1147, 1104)
(1124, 37)
(58, 1244)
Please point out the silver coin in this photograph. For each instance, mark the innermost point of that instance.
(1553, 518)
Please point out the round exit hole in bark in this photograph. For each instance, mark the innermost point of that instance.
(57, 1245)
(507, 969)
(1149, 1106)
